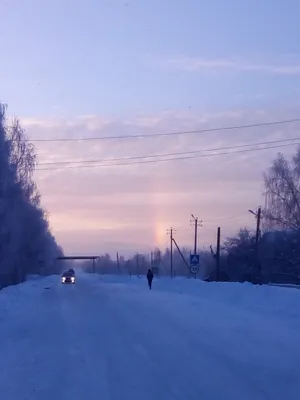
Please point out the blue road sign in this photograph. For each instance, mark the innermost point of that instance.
(194, 269)
(194, 259)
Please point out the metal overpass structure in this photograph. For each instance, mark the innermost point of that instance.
(92, 258)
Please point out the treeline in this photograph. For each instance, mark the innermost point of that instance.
(277, 256)
(26, 243)
(159, 261)
(274, 258)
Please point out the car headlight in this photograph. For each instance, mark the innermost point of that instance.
(73, 279)
(63, 279)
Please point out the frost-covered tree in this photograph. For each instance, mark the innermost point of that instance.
(10, 210)
(240, 250)
(279, 251)
(282, 213)
(282, 186)
(26, 243)
(280, 256)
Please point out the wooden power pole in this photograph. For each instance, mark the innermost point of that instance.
(257, 234)
(171, 231)
(258, 219)
(196, 223)
(118, 262)
(171, 249)
(137, 265)
(218, 254)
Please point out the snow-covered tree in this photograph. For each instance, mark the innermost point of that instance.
(240, 250)
(26, 243)
(282, 186)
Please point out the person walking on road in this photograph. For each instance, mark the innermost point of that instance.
(150, 278)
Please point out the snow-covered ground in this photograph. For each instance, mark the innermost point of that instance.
(110, 338)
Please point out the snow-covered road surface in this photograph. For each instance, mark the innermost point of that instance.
(113, 339)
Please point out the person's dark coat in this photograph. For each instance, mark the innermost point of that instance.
(150, 278)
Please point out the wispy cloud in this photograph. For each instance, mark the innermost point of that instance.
(194, 64)
(113, 203)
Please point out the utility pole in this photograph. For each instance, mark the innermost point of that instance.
(171, 231)
(257, 234)
(257, 228)
(218, 255)
(196, 224)
(118, 262)
(137, 266)
(171, 249)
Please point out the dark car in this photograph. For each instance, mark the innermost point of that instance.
(68, 277)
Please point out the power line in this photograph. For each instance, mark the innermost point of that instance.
(233, 127)
(168, 159)
(170, 154)
(224, 218)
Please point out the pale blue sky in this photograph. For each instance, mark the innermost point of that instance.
(73, 56)
(84, 68)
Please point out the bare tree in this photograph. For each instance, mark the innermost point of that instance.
(282, 184)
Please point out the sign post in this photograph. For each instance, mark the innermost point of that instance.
(194, 263)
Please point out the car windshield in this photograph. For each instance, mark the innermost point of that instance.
(68, 273)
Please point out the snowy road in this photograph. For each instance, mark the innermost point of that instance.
(110, 340)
